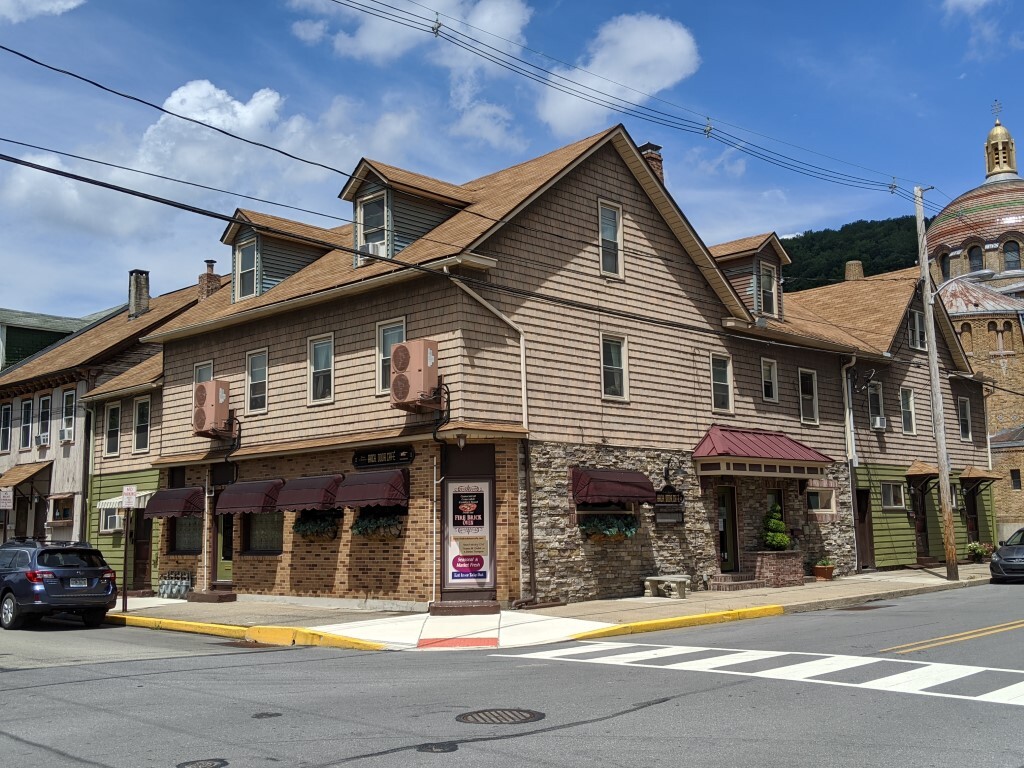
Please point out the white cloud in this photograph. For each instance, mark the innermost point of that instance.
(728, 162)
(638, 51)
(310, 31)
(491, 125)
(969, 7)
(16, 11)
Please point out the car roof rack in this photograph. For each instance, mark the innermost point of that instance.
(38, 542)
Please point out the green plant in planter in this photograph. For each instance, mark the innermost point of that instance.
(316, 526)
(773, 530)
(978, 551)
(824, 562)
(376, 524)
(609, 525)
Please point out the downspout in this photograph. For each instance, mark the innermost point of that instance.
(851, 449)
(82, 524)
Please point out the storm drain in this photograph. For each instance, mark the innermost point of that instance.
(212, 763)
(439, 747)
(265, 715)
(500, 717)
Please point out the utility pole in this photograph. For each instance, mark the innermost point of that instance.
(938, 417)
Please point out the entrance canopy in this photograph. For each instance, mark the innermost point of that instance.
(610, 486)
(176, 502)
(316, 493)
(919, 470)
(381, 488)
(253, 497)
(118, 503)
(732, 451)
(19, 473)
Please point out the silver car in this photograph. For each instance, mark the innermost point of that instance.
(1008, 561)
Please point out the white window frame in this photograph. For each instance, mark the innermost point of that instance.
(44, 423)
(360, 212)
(820, 494)
(619, 270)
(814, 398)
(135, 423)
(875, 388)
(198, 367)
(729, 381)
(249, 382)
(774, 379)
(109, 520)
(916, 335)
(772, 290)
(69, 398)
(624, 354)
(384, 355)
(239, 296)
(107, 433)
(890, 498)
(963, 416)
(25, 430)
(6, 426)
(311, 342)
(906, 392)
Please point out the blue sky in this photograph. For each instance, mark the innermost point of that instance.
(870, 89)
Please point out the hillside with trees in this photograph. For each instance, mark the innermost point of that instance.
(819, 256)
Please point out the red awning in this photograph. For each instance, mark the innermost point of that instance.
(381, 488)
(309, 493)
(252, 497)
(605, 486)
(756, 444)
(176, 502)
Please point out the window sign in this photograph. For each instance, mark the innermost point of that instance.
(469, 559)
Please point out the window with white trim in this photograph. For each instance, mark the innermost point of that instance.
(26, 425)
(372, 219)
(141, 428)
(876, 402)
(721, 382)
(202, 372)
(6, 415)
(916, 330)
(112, 430)
(767, 285)
(245, 270)
(908, 411)
(111, 520)
(389, 333)
(68, 416)
(611, 238)
(44, 419)
(808, 396)
(892, 496)
(256, 381)
(321, 369)
(614, 383)
(963, 413)
(820, 500)
(769, 380)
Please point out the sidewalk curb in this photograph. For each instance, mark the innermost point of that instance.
(698, 620)
(844, 602)
(268, 635)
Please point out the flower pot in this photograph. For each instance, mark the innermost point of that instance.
(823, 572)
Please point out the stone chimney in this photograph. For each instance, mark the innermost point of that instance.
(209, 281)
(652, 154)
(138, 292)
(854, 270)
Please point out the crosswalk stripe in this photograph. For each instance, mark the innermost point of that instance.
(651, 653)
(919, 679)
(575, 650)
(706, 665)
(806, 669)
(1011, 694)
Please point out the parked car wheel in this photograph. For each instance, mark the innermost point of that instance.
(94, 617)
(10, 616)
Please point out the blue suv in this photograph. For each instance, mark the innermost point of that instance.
(38, 578)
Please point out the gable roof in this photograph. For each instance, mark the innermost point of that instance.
(337, 237)
(41, 322)
(490, 201)
(748, 246)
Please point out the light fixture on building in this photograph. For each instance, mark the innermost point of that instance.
(460, 440)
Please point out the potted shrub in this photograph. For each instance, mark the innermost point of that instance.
(773, 530)
(823, 569)
(381, 525)
(316, 527)
(608, 527)
(979, 552)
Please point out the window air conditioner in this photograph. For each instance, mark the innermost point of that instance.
(113, 523)
(878, 422)
(42, 439)
(373, 249)
(66, 435)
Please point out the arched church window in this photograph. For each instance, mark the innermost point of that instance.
(994, 337)
(1007, 336)
(944, 265)
(1011, 255)
(967, 338)
(975, 258)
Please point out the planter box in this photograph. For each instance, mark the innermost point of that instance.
(779, 569)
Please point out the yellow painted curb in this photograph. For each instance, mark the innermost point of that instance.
(698, 620)
(174, 625)
(270, 635)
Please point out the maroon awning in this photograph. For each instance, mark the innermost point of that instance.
(606, 486)
(309, 493)
(251, 497)
(756, 444)
(381, 488)
(176, 502)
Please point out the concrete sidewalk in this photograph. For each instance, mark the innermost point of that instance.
(335, 623)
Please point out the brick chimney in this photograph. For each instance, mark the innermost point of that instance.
(854, 270)
(652, 154)
(209, 281)
(138, 292)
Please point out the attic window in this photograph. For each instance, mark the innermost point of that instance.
(245, 270)
(372, 232)
(767, 285)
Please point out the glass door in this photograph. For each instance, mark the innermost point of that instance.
(727, 529)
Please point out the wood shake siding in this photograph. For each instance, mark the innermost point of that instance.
(127, 459)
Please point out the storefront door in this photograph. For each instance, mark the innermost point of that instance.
(225, 546)
(971, 511)
(143, 550)
(921, 524)
(864, 531)
(727, 529)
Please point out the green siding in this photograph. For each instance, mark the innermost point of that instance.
(23, 342)
(112, 544)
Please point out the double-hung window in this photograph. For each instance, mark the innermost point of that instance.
(909, 414)
(721, 382)
(808, 396)
(321, 369)
(373, 222)
(389, 333)
(876, 405)
(963, 412)
(245, 270)
(916, 331)
(892, 496)
(6, 412)
(68, 417)
(256, 381)
(26, 425)
(141, 438)
(44, 420)
(769, 380)
(611, 238)
(613, 367)
(767, 286)
(112, 431)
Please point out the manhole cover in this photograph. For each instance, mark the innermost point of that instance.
(500, 717)
(444, 746)
(210, 763)
(265, 715)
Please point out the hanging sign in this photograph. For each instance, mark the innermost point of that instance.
(469, 528)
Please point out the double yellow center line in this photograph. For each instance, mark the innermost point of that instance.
(959, 637)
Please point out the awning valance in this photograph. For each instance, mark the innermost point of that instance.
(309, 493)
(19, 473)
(141, 500)
(607, 486)
(254, 496)
(176, 502)
(380, 488)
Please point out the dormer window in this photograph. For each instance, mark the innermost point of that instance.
(372, 232)
(245, 270)
(766, 285)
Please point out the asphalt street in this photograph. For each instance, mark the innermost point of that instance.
(902, 682)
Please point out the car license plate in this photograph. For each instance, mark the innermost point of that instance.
(78, 583)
